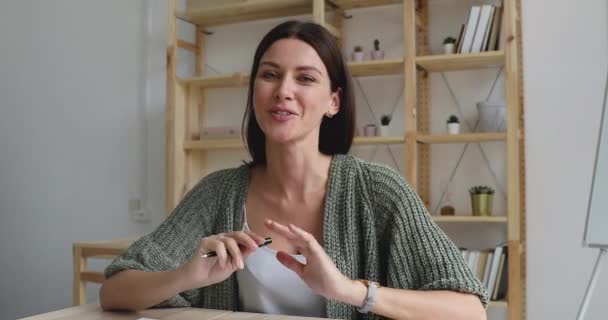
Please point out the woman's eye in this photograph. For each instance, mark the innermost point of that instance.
(268, 75)
(307, 79)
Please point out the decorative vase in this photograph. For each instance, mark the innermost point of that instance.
(377, 55)
(448, 48)
(358, 56)
(481, 204)
(454, 128)
(370, 130)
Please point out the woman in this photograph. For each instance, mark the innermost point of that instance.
(350, 237)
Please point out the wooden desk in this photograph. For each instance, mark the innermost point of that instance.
(98, 249)
(94, 312)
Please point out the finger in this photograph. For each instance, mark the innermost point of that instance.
(280, 229)
(235, 252)
(244, 239)
(304, 239)
(291, 263)
(220, 249)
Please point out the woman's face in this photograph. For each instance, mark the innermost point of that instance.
(292, 93)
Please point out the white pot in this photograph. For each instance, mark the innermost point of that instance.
(448, 48)
(453, 128)
(377, 55)
(370, 130)
(383, 131)
(358, 56)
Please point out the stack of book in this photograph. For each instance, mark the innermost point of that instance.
(483, 30)
(490, 267)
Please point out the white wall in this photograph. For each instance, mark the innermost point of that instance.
(71, 149)
(71, 132)
(565, 59)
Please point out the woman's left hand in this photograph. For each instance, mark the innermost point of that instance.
(319, 273)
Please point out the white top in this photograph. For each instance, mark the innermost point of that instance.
(267, 286)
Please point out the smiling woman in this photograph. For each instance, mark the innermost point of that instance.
(349, 237)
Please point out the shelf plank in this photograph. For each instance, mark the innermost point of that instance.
(461, 61)
(462, 138)
(248, 10)
(359, 141)
(237, 143)
(469, 218)
(375, 67)
(244, 11)
(498, 304)
(221, 81)
(241, 79)
(355, 4)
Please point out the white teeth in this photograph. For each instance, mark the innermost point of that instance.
(282, 113)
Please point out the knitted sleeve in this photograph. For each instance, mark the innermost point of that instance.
(419, 254)
(175, 240)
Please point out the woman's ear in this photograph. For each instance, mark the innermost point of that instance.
(334, 106)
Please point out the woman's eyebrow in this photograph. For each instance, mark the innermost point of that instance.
(299, 68)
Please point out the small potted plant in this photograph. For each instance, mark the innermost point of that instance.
(385, 120)
(358, 54)
(453, 125)
(377, 54)
(448, 45)
(481, 200)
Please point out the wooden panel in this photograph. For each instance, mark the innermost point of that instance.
(516, 293)
(222, 81)
(411, 94)
(424, 116)
(376, 67)
(354, 4)
(170, 109)
(470, 218)
(187, 46)
(461, 138)
(78, 287)
(226, 13)
(452, 62)
(92, 276)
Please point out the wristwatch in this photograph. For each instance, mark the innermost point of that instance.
(370, 298)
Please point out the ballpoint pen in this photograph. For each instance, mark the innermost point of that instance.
(209, 254)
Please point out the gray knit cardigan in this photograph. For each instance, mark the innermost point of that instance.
(375, 227)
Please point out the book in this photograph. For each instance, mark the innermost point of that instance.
(482, 26)
(494, 268)
(486, 273)
(498, 276)
(496, 25)
(470, 27)
(459, 39)
(486, 37)
(481, 266)
(503, 282)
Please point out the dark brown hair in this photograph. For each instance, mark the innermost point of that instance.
(336, 133)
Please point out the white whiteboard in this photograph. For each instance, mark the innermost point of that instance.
(596, 229)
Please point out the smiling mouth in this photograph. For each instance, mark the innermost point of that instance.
(283, 113)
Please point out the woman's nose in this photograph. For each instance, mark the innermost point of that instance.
(285, 89)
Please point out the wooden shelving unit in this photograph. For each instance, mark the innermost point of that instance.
(185, 114)
(418, 155)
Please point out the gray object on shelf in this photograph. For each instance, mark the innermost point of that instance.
(492, 116)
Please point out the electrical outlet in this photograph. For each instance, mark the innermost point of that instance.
(137, 213)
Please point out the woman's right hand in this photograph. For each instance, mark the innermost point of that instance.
(232, 249)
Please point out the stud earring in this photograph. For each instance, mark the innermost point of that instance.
(329, 115)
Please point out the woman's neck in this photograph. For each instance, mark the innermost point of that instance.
(293, 174)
